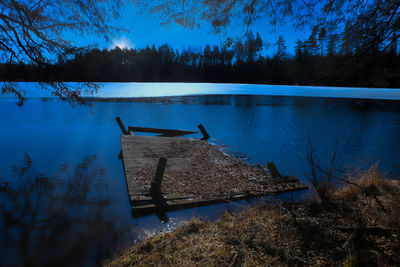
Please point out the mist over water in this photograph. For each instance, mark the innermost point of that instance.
(64, 160)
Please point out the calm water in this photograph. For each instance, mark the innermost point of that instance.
(63, 197)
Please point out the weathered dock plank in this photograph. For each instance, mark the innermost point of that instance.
(196, 173)
(186, 203)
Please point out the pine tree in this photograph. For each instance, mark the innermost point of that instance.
(299, 49)
(311, 43)
(281, 48)
(331, 49)
(251, 50)
(346, 45)
(321, 38)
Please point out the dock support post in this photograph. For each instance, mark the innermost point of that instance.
(274, 171)
(155, 189)
(121, 125)
(204, 132)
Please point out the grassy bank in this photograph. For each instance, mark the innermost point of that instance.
(357, 224)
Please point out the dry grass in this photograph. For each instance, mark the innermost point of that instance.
(377, 199)
(360, 228)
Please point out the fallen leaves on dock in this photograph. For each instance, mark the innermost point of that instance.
(212, 174)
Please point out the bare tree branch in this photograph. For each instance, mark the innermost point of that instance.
(370, 24)
(33, 33)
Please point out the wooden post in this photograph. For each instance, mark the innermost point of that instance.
(155, 189)
(273, 170)
(204, 132)
(162, 216)
(121, 125)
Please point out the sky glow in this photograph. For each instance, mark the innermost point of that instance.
(123, 43)
(145, 29)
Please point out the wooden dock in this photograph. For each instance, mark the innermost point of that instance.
(167, 173)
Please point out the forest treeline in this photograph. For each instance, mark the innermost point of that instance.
(321, 59)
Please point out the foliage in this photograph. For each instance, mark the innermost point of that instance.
(235, 61)
(369, 24)
(281, 48)
(33, 33)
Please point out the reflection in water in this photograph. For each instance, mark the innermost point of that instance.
(261, 100)
(56, 220)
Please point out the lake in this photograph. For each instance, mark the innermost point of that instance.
(63, 197)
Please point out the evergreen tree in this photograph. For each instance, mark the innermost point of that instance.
(239, 51)
(346, 45)
(281, 48)
(299, 49)
(207, 55)
(331, 49)
(311, 43)
(321, 38)
(251, 49)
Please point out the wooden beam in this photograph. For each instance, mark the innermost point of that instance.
(273, 170)
(148, 209)
(176, 134)
(163, 132)
(155, 186)
(139, 200)
(121, 125)
(204, 132)
(285, 179)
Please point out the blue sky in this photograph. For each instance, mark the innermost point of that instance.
(147, 29)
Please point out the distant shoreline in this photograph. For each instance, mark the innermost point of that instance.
(200, 82)
(129, 92)
(182, 98)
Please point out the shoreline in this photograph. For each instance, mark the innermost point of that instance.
(227, 83)
(188, 99)
(181, 98)
(359, 225)
(117, 91)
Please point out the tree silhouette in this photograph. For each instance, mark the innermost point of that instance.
(32, 33)
(253, 46)
(321, 39)
(281, 48)
(299, 49)
(311, 43)
(370, 24)
(332, 44)
(239, 61)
